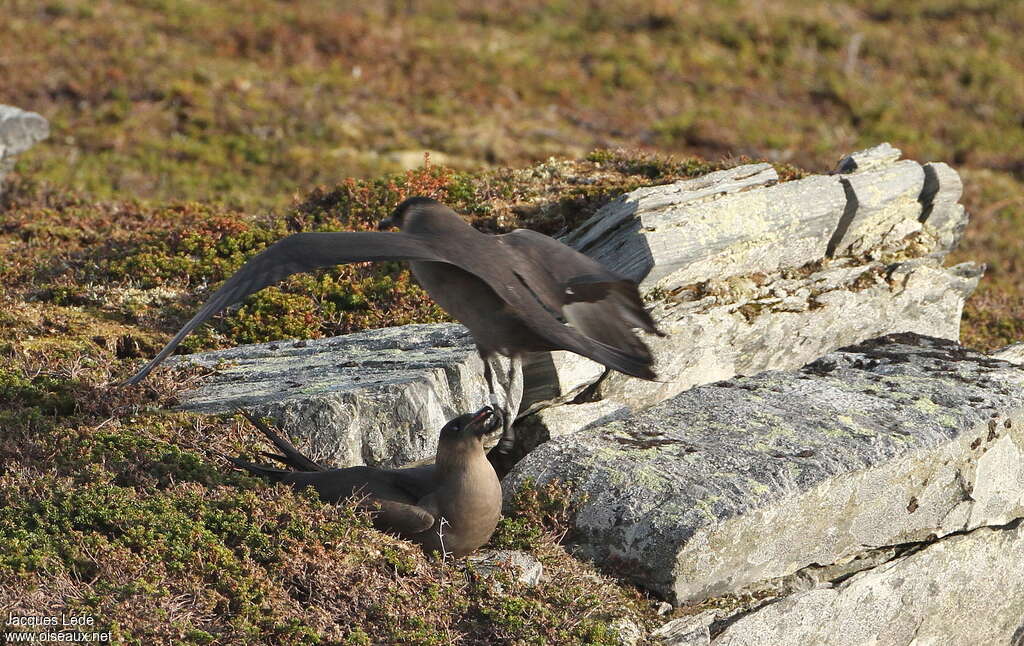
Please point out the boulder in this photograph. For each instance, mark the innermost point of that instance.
(735, 484)
(378, 397)
(741, 221)
(19, 131)
(746, 274)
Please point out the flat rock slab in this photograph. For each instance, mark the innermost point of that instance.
(378, 397)
(895, 440)
(963, 589)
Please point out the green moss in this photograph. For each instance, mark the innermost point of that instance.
(48, 394)
(534, 513)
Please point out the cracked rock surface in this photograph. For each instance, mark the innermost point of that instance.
(963, 589)
(746, 274)
(378, 397)
(733, 484)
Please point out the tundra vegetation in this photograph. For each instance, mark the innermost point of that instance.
(186, 136)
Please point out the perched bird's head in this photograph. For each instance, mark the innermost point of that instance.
(420, 215)
(471, 425)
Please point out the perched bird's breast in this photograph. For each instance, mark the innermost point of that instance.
(470, 505)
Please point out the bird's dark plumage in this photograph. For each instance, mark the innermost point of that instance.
(509, 290)
(451, 506)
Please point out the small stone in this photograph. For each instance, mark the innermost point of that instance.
(19, 131)
(526, 568)
(628, 633)
(693, 630)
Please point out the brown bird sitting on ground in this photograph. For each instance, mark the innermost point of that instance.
(450, 507)
(510, 290)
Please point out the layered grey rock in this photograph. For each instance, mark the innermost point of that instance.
(740, 327)
(694, 630)
(737, 483)
(378, 397)
(748, 275)
(1012, 353)
(19, 131)
(964, 589)
(741, 222)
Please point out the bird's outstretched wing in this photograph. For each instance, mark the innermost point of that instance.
(290, 455)
(513, 280)
(295, 254)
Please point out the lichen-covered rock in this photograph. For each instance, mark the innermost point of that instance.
(740, 221)
(546, 423)
(650, 232)
(895, 440)
(1012, 353)
(747, 275)
(962, 589)
(378, 397)
(19, 131)
(742, 328)
(686, 631)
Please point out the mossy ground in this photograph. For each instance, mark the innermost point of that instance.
(189, 135)
(112, 507)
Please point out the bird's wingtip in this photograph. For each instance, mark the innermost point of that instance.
(134, 380)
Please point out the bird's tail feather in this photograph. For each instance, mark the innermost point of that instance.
(290, 455)
(270, 473)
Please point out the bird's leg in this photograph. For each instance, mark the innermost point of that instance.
(493, 398)
(496, 403)
(508, 434)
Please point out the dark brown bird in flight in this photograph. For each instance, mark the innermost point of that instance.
(510, 290)
(450, 507)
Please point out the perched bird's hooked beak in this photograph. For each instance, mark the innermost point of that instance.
(484, 421)
(386, 223)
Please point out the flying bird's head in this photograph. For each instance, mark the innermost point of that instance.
(471, 425)
(420, 215)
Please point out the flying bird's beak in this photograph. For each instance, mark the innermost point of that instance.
(484, 421)
(386, 223)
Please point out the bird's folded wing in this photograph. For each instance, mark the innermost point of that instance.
(389, 515)
(298, 253)
(551, 267)
(602, 304)
(512, 287)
